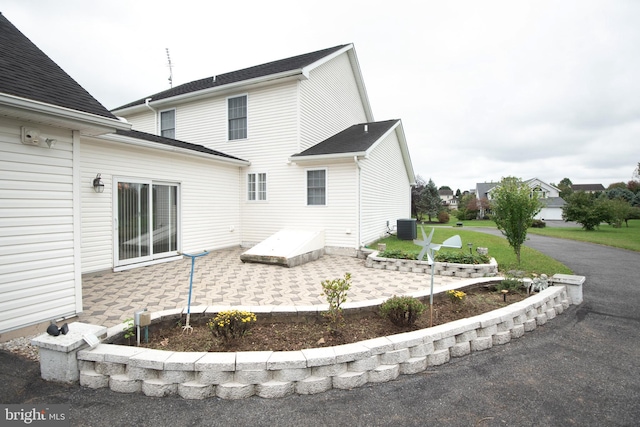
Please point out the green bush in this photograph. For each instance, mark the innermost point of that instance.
(537, 223)
(336, 293)
(402, 311)
(443, 217)
(510, 284)
(398, 254)
(231, 324)
(461, 257)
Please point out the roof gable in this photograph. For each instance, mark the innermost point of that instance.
(295, 63)
(27, 72)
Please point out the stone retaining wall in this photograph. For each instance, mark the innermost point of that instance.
(470, 271)
(268, 374)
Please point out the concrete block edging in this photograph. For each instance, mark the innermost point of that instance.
(278, 374)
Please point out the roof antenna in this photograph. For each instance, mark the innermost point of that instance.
(170, 68)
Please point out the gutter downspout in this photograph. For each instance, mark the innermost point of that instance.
(358, 209)
(155, 113)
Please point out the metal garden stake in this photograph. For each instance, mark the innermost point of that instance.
(187, 326)
(430, 248)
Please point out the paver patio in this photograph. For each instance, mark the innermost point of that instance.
(221, 278)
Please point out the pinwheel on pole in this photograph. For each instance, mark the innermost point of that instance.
(429, 249)
(187, 326)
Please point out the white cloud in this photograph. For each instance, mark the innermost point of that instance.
(485, 89)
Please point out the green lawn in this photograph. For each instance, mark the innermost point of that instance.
(532, 260)
(625, 238)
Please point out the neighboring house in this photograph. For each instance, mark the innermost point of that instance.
(548, 195)
(588, 188)
(448, 198)
(291, 143)
(318, 158)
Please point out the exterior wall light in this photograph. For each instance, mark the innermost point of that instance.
(98, 185)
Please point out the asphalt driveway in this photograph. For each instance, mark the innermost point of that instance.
(583, 368)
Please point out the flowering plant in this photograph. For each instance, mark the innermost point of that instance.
(456, 296)
(231, 324)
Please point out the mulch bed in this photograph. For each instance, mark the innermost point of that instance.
(287, 336)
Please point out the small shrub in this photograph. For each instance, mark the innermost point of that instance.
(129, 329)
(510, 284)
(462, 257)
(398, 254)
(402, 311)
(537, 223)
(231, 324)
(336, 293)
(456, 296)
(443, 217)
(539, 283)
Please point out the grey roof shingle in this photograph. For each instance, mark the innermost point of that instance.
(27, 72)
(354, 139)
(174, 143)
(587, 187)
(275, 67)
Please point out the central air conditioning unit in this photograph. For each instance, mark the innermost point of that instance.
(407, 229)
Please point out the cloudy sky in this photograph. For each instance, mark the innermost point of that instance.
(485, 89)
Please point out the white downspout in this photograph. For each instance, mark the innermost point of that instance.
(155, 114)
(358, 209)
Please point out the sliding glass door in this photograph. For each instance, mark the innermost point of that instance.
(146, 220)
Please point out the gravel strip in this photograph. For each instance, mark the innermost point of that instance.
(22, 346)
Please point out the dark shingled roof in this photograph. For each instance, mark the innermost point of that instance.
(354, 139)
(275, 67)
(587, 187)
(27, 72)
(174, 143)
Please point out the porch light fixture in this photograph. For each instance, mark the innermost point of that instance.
(98, 185)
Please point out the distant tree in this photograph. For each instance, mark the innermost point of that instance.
(619, 210)
(416, 194)
(620, 193)
(586, 209)
(445, 187)
(633, 186)
(513, 209)
(617, 185)
(430, 201)
(565, 188)
(636, 173)
(467, 207)
(458, 194)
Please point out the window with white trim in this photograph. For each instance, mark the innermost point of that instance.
(237, 115)
(257, 186)
(168, 124)
(316, 187)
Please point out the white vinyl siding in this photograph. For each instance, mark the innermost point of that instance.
(329, 102)
(386, 191)
(37, 229)
(209, 197)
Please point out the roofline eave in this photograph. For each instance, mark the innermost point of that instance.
(325, 157)
(179, 150)
(91, 124)
(293, 74)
